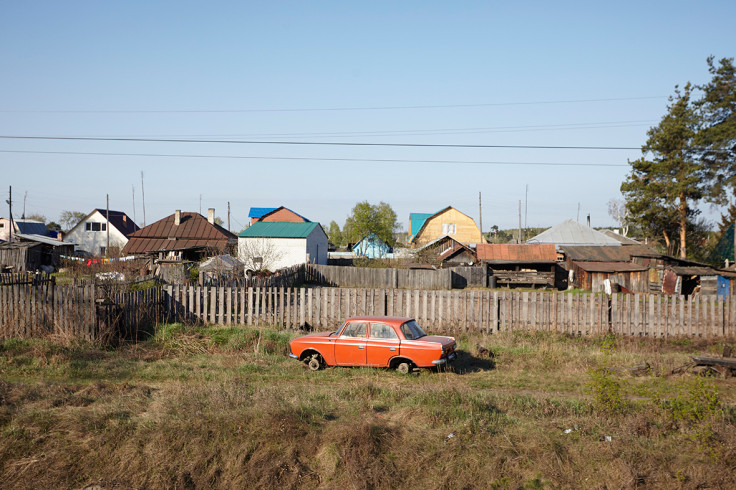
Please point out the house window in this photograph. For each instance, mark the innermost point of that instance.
(449, 228)
(95, 226)
(2, 225)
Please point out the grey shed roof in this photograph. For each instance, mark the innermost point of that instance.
(571, 232)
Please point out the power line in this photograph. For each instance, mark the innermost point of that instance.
(317, 143)
(411, 132)
(329, 109)
(312, 159)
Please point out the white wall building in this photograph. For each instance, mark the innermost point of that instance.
(276, 245)
(91, 234)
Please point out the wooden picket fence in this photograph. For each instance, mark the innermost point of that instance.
(457, 311)
(76, 312)
(99, 314)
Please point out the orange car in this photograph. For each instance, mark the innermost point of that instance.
(393, 342)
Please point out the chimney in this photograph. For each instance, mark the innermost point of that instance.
(211, 216)
(177, 217)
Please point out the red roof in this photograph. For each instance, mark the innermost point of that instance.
(516, 253)
(193, 231)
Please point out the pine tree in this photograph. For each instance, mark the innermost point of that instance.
(662, 191)
(717, 136)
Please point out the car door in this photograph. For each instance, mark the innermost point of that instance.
(383, 344)
(350, 346)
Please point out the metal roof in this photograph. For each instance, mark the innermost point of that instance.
(416, 221)
(619, 237)
(43, 239)
(258, 212)
(120, 220)
(516, 253)
(571, 232)
(610, 267)
(278, 229)
(31, 227)
(275, 210)
(220, 262)
(193, 231)
(608, 254)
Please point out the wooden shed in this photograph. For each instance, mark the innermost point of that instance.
(592, 276)
(520, 265)
(20, 256)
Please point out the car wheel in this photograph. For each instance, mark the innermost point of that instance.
(314, 364)
(403, 368)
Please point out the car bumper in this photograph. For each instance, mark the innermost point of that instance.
(447, 359)
(293, 356)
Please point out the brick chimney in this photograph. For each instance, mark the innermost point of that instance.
(211, 216)
(177, 217)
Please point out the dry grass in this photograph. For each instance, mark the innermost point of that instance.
(225, 408)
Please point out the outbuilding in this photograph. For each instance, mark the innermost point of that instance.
(275, 245)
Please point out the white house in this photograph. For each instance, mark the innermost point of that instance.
(276, 245)
(91, 234)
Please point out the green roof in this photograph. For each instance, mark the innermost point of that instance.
(279, 229)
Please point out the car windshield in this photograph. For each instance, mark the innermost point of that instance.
(412, 330)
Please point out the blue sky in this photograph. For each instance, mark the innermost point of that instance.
(468, 73)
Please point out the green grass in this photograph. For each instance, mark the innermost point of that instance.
(225, 407)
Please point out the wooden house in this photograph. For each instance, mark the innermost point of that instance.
(447, 252)
(181, 236)
(447, 222)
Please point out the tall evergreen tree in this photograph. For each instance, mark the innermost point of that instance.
(665, 184)
(717, 137)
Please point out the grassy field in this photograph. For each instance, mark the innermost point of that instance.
(226, 408)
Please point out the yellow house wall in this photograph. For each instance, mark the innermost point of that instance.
(466, 229)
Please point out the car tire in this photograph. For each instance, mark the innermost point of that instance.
(403, 368)
(314, 364)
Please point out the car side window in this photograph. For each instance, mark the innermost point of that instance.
(356, 329)
(383, 331)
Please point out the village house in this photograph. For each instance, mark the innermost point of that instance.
(98, 230)
(181, 236)
(22, 226)
(447, 222)
(447, 252)
(275, 245)
(372, 247)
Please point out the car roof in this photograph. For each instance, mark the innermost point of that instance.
(396, 320)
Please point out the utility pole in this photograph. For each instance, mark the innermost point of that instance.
(200, 204)
(526, 207)
(25, 196)
(10, 212)
(228, 216)
(143, 197)
(480, 217)
(107, 227)
(519, 221)
(133, 203)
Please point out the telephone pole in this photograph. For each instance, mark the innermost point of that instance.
(107, 227)
(228, 216)
(10, 212)
(480, 217)
(143, 197)
(519, 221)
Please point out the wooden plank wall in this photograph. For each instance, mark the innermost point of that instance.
(455, 311)
(28, 311)
(350, 277)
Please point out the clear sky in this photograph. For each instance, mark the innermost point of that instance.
(424, 72)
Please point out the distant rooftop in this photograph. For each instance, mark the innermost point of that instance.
(571, 232)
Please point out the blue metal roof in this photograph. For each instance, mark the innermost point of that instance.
(258, 212)
(416, 221)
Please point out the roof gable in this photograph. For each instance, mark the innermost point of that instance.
(282, 208)
(435, 215)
